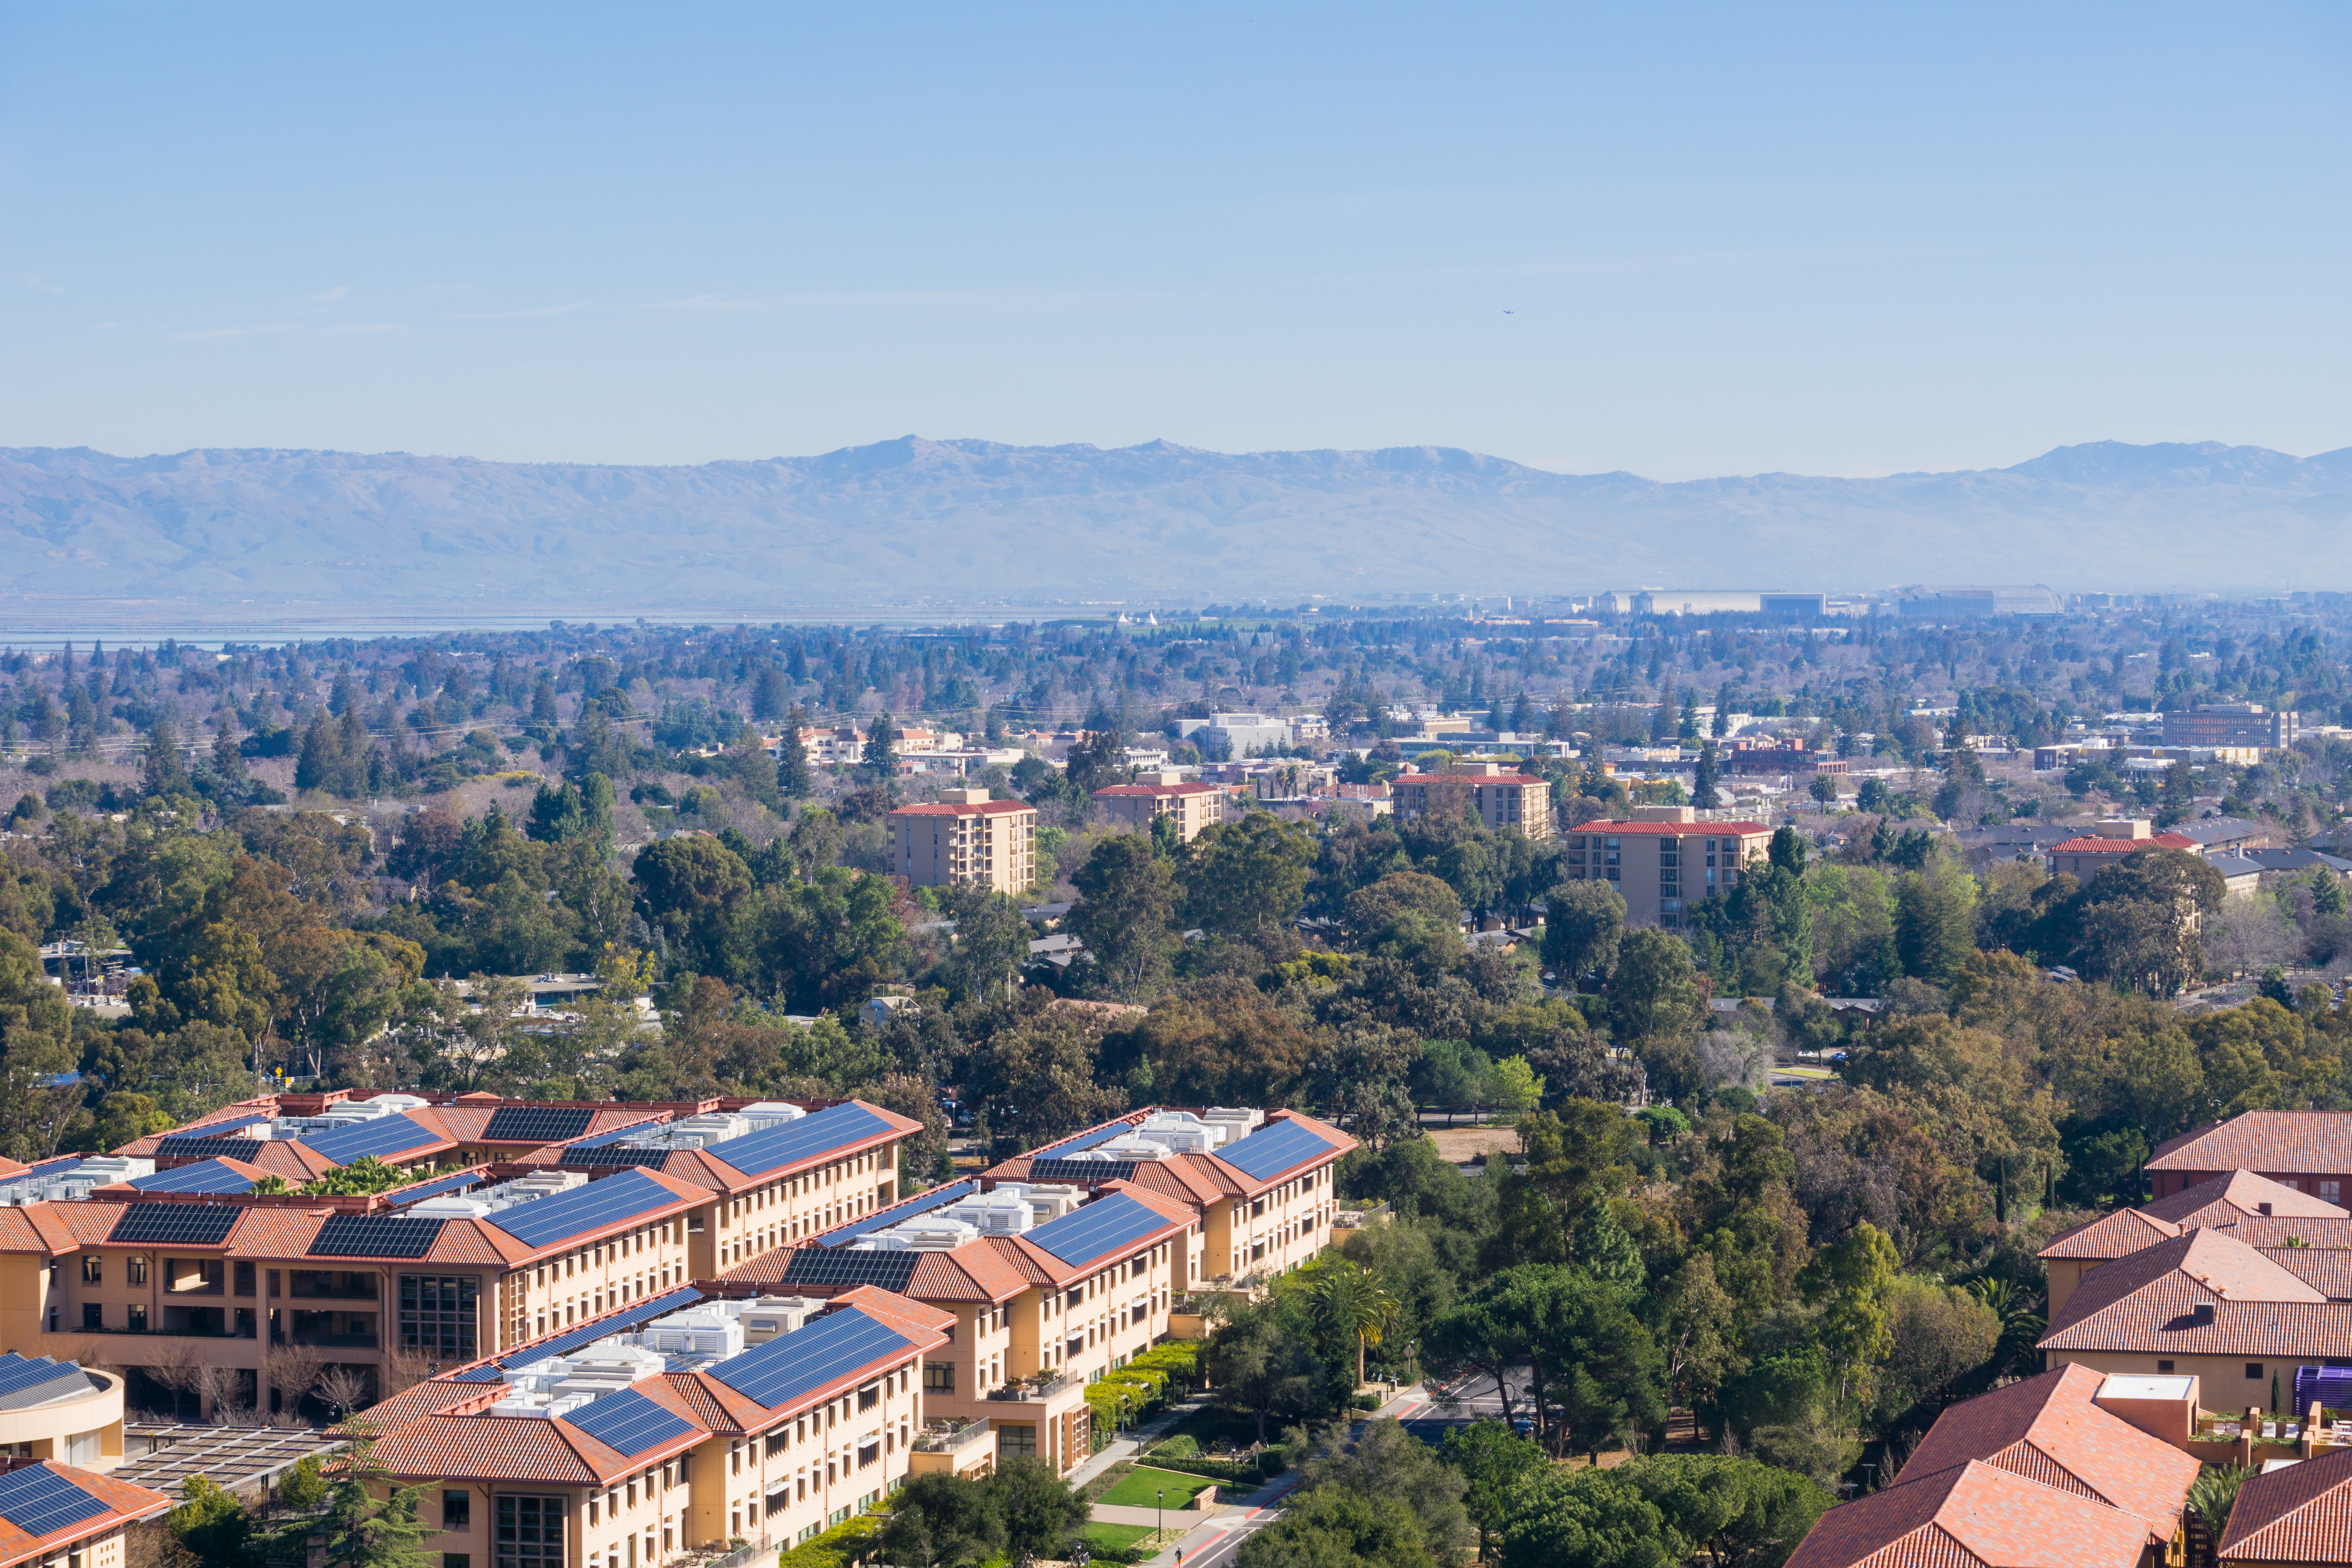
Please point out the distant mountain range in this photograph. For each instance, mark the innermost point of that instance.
(956, 524)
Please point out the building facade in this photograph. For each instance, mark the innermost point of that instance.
(1191, 804)
(2232, 725)
(1498, 797)
(966, 839)
(2086, 857)
(1665, 861)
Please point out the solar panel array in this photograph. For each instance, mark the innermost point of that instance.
(207, 1148)
(226, 1124)
(637, 1315)
(1273, 1150)
(846, 1266)
(537, 1123)
(837, 1127)
(175, 1225)
(375, 1235)
(610, 1201)
(384, 1135)
(19, 1374)
(612, 1135)
(812, 1355)
(614, 1156)
(38, 1500)
(208, 1176)
(1104, 1225)
(938, 1197)
(628, 1422)
(1083, 1140)
(1082, 1171)
(401, 1197)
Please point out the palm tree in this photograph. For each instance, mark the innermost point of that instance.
(1352, 1302)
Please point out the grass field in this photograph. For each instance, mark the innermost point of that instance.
(1117, 1537)
(1139, 1487)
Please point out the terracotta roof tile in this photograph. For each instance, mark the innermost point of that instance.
(2244, 1192)
(2295, 1142)
(2146, 1303)
(1974, 1514)
(2326, 1269)
(123, 1500)
(2048, 1428)
(420, 1400)
(2268, 1235)
(2302, 1513)
(1674, 830)
(2094, 846)
(2117, 1235)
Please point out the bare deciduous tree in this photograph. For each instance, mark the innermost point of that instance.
(344, 1388)
(174, 1366)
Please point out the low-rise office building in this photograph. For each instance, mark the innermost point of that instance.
(1665, 861)
(2232, 725)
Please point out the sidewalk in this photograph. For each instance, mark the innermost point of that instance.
(1131, 1445)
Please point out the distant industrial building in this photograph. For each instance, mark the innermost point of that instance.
(2232, 725)
(1924, 602)
(1727, 602)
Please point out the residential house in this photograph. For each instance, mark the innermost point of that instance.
(2224, 1203)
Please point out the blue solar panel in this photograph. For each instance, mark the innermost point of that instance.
(810, 1357)
(384, 1135)
(215, 1129)
(206, 1176)
(1104, 1225)
(400, 1197)
(582, 1209)
(757, 1153)
(636, 1315)
(489, 1373)
(1083, 1140)
(612, 1135)
(922, 1203)
(628, 1422)
(1275, 1149)
(38, 1500)
(18, 1372)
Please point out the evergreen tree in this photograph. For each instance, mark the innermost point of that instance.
(160, 765)
(314, 769)
(791, 756)
(543, 699)
(880, 758)
(1662, 723)
(364, 1531)
(1722, 725)
(1704, 794)
(227, 760)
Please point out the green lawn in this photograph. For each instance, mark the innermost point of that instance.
(1117, 1537)
(1142, 1486)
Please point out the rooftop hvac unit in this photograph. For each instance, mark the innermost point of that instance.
(540, 1405)
(1052, 1202)
(765, 1317)
(400, 1103)
(931, 1233)
(450, 1206)
(999, 1213)
(770, 1113)
(1237, 1124)
(694, 1334)
(1132, 1146)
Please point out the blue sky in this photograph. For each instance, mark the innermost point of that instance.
(1674, 240)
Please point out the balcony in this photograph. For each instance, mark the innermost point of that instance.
(1037, 1387)
(316, 1339)
(947, 1437)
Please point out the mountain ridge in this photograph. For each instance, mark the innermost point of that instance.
(969, 520)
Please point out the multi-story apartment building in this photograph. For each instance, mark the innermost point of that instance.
(1498, 797)
(2232, 725)
(1665, 861)
(2086, 855)
(1167, 793)
(191, 1269)
(671, 1428)
(966, 839)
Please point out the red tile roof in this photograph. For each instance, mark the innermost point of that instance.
(1127, 791)
(2089, 845)
(2302, 1513)
(2117, 1235)
(2047, 1428)
(2295, 1142)
(1974, 1515)
(2146, 1303)
(1677, 829)
(2237, 1194)
(958, 808)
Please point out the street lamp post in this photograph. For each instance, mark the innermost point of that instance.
(1163, 1510)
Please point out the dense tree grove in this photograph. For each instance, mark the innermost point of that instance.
(333, 861)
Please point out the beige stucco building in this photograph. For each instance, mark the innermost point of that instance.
(1192, 804)
(1497, 796)
(966, 839)
(1664, 862)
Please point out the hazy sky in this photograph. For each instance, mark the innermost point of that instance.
(1674, 240)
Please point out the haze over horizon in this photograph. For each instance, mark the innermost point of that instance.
(1840, 242)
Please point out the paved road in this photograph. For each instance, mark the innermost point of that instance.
(1429, 1414)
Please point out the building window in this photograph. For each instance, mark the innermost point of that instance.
(2331, 1192)
(93, 1268)
(939, 1377)
(2253, 1372)
(1017, 1440)
(2164, 1367)
(138, 1317)
(134, 1269)
(456, 1559)
(456, 1508)
(530, 1532)
(437, 1318)
(93, 1316)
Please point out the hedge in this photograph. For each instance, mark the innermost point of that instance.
(837, 1547)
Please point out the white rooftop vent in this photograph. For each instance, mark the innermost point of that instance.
(400, 1103)
(449, 1205)
(1130, 1146)
(1238, 1123)
(770, 1113)
(696, 1333)
(1051, 1202)
(998, 1213)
